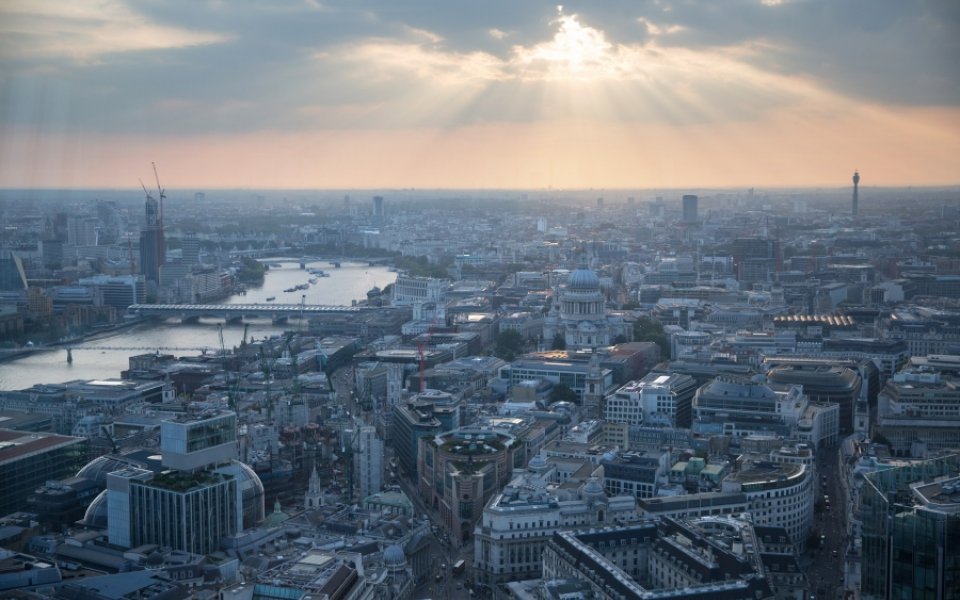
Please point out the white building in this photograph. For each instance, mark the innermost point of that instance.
(778, 494)
(579, 314)
(410, 291)
(518, 522)
(368, 461)
(654, 401)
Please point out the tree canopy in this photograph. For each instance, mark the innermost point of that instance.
(508, 345)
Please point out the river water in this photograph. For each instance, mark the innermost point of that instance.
(107, 356)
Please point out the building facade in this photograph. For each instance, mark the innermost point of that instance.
(28, 460)
(459, 471)
(655, 401)
(579, 314)
(910, 519)
(778, 494)
(519, 521)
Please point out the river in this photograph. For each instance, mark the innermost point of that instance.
(96, 360)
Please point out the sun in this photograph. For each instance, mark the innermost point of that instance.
(575, 52)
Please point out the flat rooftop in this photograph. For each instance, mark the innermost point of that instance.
(16, 445)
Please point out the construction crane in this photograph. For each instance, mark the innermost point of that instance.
(145, 191)
(162, 246)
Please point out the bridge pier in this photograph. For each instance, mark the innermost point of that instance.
(279, 320)
(231, 319)
(189, 319)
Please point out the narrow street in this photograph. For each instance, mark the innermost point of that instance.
(443, 557)
(825, 572)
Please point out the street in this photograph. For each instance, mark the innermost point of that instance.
(825, 572)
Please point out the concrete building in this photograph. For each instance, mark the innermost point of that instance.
(459, 471)
(118, 292)
(778, 494)
(918, 412)
(823, 382)
(558, 370)
(634, 473)
(653, 560)
(410, 291)
(199, 497)
(738, 407)
(429, 413)
(519, 521)
(367, 461)
(654, 401)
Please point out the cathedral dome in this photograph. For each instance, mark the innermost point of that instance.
(593, 487)
(583, 280)
(393, 556)
(538, 464)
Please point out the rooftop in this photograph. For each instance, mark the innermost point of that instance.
(16, 445)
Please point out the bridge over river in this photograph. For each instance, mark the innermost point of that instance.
(236, 312)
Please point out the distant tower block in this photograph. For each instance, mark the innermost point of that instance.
(855, 208)
(378, 208)
(689, 208)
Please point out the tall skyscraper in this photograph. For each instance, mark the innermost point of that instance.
(378, 209)
(152, 245)
(856, 200)
(368, 461)
(689, 208)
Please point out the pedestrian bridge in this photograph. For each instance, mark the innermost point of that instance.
(233, 312)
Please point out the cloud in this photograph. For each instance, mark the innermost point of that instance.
(84, 31)
(247, 65)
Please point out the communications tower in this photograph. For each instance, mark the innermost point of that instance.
(856, 200)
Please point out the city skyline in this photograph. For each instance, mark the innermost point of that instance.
(660, 94)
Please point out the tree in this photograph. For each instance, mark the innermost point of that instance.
(562, 393)
(649, 330)
(559, 342)
(509, 344)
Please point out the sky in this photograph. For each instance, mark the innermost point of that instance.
(360, 94)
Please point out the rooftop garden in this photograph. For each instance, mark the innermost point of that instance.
(181, 481)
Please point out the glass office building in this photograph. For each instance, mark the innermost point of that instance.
(911, 531)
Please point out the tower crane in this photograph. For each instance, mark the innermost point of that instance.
(162, 192)
(161, 245)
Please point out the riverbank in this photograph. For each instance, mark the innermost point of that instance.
(91, 336)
